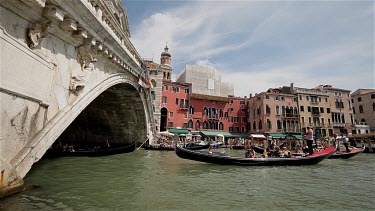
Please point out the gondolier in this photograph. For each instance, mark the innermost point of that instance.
(309, 137)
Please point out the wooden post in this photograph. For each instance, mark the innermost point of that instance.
(369, 145)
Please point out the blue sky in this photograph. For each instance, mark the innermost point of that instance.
(262, 44)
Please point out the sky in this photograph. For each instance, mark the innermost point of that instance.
(261, 44)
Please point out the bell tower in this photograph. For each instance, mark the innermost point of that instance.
(166, 63)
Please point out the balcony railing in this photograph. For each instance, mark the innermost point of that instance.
(338, 124)
(216, 116)
(184, 107)
(290, 115)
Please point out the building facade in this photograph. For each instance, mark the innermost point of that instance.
(273, 111)
(207, 81)
(363, 101)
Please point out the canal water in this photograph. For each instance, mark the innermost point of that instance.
(159, 180)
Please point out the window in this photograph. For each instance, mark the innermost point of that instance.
(267, 97)
(326, 100)
(254, 126)
(177, 89)
(279, 126)
(191, 110)
(359, 99)
(186, 90)
(329, 121)
(165, 87)
(185, 125)
(243, 119)
(176, 101)
(185, 115)
(360, 109)
(235, 119)
(205, 111)
(322, 121)
(190, 124)
(260, 124)
(268, 124)
(221, 126)
(321, 110)
(309, 120)
(242, 102)
(164, 99)
(320, 99)
(300, 97)
(268, 109)
(170, 124)
(277, 110)
(308, 109)
(372, 96)
(307, 98)
(328, 110)
(303, 119)
(171, 114)
(153, 83)
(302, 109)
(353, 110)
(197, 125)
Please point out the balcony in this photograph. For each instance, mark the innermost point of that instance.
(338, 124)
(184, 107)
(214, 117)
(290, 115)
(314, 102)
(315, 113)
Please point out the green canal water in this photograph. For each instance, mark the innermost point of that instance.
(157, 180)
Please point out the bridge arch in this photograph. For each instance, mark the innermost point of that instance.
(114, 85)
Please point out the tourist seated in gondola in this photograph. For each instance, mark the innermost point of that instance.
(190, 143)
(299, 149)
(250, 153)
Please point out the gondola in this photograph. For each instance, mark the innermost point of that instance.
(93, 152)
(239, 147)
(346, 155)
(219, 158)
(158, 147)
(170, 148)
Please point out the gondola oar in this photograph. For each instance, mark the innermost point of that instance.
(142, 144)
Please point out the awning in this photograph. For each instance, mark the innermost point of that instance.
(214, 133)
(257, 136)
(298, 136)
(225, 134)
(277, 135)
(178, 131)
(239, 135)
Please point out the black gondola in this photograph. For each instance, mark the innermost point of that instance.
(93, 152)
(158, 147)
(218, 158)
(238, 147)
(170, 148)
(346, 155)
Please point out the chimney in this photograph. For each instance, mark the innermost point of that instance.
(291, 88)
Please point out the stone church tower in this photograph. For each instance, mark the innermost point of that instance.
(158, 74)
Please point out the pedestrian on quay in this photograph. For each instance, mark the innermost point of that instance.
(309, 137)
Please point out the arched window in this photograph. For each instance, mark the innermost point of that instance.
(283, 110)
(205, 125)
(221, 126)
(269, 126)
(268, 109)
(279, 126)
(295, 110)
(197, 125)
(277, 110)
(163, 75)
(260, 124)
(221, 113)
(205, 111)
(191, 110)
(254, 125)
(212, 125)
(169, 76)
(190, 123)
(153, 82)
(360, 109)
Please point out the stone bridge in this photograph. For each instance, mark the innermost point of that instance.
(68, 72)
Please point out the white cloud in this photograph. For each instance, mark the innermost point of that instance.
(259, 45)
